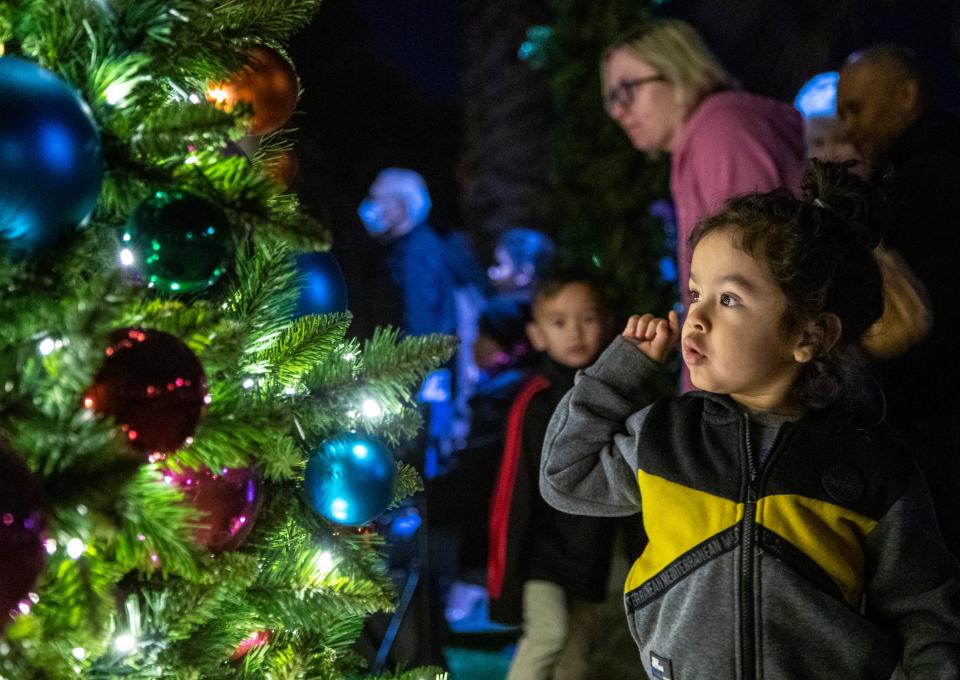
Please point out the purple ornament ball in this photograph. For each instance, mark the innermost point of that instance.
(228, 502)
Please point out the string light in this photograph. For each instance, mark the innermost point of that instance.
(117, 91)
(371, 409)
(46, 346)
(124, 643)
(75, 548)
(322, 563)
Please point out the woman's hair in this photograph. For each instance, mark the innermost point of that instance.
(819, 250)
(678, 53)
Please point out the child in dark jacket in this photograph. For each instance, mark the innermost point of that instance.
(790, 537)
(545, 567)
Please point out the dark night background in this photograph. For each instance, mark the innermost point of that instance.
(383, 85)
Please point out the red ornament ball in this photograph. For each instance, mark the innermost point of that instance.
(21, 534)
(153, 386)
(267, 82)
(228, 501)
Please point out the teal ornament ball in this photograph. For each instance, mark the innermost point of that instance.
(351, 479)
(51, 164)
(177, 242)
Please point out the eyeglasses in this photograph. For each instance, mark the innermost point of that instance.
(622, 93)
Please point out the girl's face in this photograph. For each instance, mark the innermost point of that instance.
(732, 338)
(645, 105)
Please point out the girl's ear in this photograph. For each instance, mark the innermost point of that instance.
(818, 337)
(536, 336)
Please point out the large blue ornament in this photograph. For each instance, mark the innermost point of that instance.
(177, 242)
(324, 288)
(50, 158)
(351, 479)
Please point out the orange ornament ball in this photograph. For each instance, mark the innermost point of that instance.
(284, 168)
(268, 83)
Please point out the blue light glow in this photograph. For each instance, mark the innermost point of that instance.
(818, 96)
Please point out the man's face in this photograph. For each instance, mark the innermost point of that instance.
(382, 212)
(875, 106)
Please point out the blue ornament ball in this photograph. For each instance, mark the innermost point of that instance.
(51, 164)
(351, 479)
(324, 288)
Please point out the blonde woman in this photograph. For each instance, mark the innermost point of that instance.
(663, 86)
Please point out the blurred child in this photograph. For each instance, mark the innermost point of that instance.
(824, 135)
(790, 536)
(547, 568)
(523, 256)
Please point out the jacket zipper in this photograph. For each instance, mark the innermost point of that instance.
(748, 525)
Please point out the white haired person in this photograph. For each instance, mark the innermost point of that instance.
(424, 265)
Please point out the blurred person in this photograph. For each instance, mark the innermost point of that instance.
(915, 155)
(548, 570)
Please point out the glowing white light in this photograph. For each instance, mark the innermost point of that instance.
(194, 98)
(126, 257)
(33, 597)
(81, 510)
(47, 345)
(126, 236)
(75, 548)
(360, 450)
(338, 508)
(191, 159)
(124, 643)
(289, 391)
(248, 384)
(349, 356)
(24, 607)
(50, 546)
(79, 653)
(323, 563)
(117, 91)
(371, 408)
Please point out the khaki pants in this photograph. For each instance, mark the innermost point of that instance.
(555, 640)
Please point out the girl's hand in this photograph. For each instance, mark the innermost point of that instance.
(654, 336)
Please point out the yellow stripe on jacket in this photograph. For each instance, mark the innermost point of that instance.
(677, 519)
(830, 535)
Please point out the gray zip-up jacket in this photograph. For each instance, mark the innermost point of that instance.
(825, 562)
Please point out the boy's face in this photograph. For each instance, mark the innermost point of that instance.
(569, 326)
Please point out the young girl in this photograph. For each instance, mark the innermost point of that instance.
(790, 537)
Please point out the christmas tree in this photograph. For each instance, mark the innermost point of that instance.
(191, 446)
(602, 190)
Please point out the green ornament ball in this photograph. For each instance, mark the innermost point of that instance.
(177, 242)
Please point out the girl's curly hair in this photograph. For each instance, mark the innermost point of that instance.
(819, 249)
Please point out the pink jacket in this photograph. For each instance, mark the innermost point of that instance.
(733, 143)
